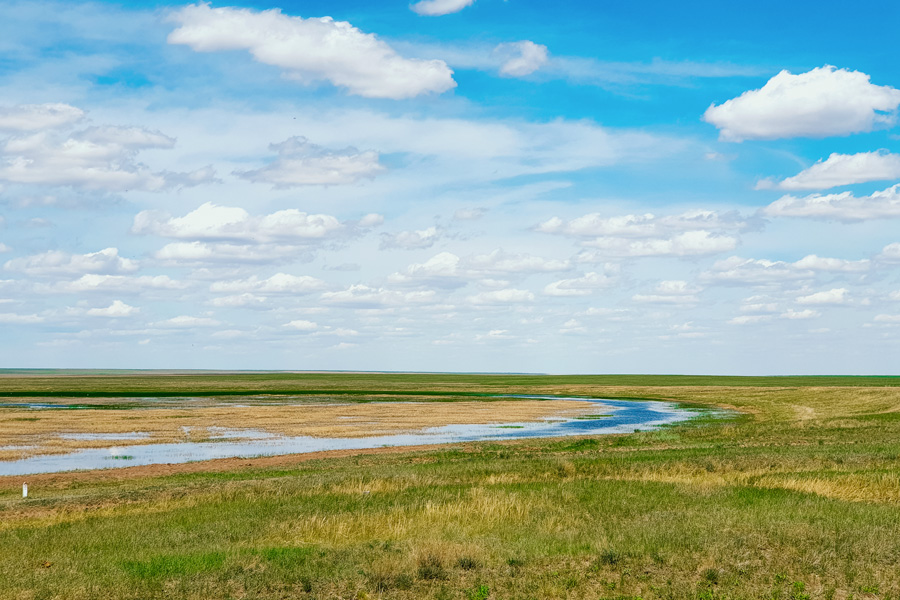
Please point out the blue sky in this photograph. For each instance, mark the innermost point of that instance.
(450, 185)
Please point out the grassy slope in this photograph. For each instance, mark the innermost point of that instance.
(798, 497)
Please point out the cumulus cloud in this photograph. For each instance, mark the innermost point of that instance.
(238, 301)
(363, 296)
(449, 270)
(16, 319)
(499, 262)
(187, 322)
(222, 234)
(311, 50)
(800, 314)
(820, 103)
(54, 262)
(579, 286)
(837, 265)
(689, 243)
(507, 296)
(437, 8)
(213, 222)
(35, 117)
(279, 283)
(301, 163)
(115, 310)
(121, 284)
(890, 253)
(203, 253)
(96, 158)
(842, 207)
(748, 271)
(834, 296)
(644, 226)
(693, 233)
(758, 304)
(410, 240)
(301, 325)
(674, 292)
(520, 58)
(840, 169)
(749, 319)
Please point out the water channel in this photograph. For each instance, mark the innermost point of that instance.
(610, 417)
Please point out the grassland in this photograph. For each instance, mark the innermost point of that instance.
(799, 497)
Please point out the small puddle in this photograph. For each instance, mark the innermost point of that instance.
(612, 416)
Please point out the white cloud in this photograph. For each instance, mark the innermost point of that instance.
(689, 243)
(845, 206)
(97, 158)
(800, 314)
(758, 304)
(437, 8)
(213, 222)
(749, 319)
(500, 262)
(202, 253)
(363, 296)
(837, 265)
(449, 270)
(834, 296)
(521, 58)
(35, 117)
(579, 286)
(15, 319)
(311, 50)
(840, 169)
(748, 271)
(187, 322)
(410, 240)
(890, 253)
(115, 310)
(820, 103)
(301, 163)
(507, 296)
(674, 292)
(301, 325)
(54, 262)
(693, 233)
(119, 284)
(4, 247)
(572, 326)
(279, 283)
(371, 220)
(238, 301)
(878, 318)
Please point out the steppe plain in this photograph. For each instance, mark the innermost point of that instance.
(794, 494)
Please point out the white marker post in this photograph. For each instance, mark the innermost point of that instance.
(24, 490)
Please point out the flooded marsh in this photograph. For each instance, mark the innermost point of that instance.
(41, 439)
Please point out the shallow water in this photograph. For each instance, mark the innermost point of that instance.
(623, 417)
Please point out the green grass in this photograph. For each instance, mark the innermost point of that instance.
(797, 498)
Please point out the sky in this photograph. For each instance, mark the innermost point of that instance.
(451, 185)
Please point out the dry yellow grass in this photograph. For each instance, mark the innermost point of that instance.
(33, 432)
